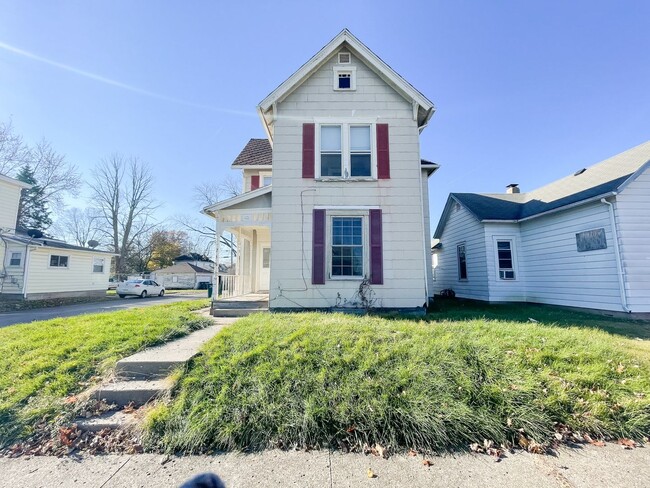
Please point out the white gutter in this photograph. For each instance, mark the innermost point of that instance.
(617, 251)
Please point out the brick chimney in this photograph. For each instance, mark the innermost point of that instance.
(512, 188)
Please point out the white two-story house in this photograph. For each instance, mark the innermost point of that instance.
(36, 267)
(335, 205)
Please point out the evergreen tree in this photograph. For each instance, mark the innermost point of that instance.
(32, 211)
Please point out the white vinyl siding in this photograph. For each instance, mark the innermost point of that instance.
(9, 199)
(398, 197)
(633, 219)
(463, 228)
(556, 273)
(77, 276)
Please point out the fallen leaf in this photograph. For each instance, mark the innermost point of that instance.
(559, 436)
(474, 447)
(509, 422)
(380, 451)
(427, 463)
(371, 474)
(598, 443)
(70, 399)
(523, 442)
(620, 368)
(412, 452)
(627, 443)
(350, 429)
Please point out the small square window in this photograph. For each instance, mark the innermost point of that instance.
(344, 81)
(16, 258)
(98, 265)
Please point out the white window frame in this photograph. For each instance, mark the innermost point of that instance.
(365, 222)
(103, 260)
(347, 70)
(345, 148)
(464, 246)
(49, 261)
(513, 254)
(11, 258)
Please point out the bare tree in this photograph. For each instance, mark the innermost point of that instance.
(122, 189)
(54, 174)
(13, 150)
(79, 225)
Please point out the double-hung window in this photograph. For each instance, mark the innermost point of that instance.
(98, 265)
(15, 259)
(346, 151)
(505, 258)
(347, 247)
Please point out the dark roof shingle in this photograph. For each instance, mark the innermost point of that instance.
(257, 152)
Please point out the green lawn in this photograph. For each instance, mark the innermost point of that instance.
(43, 362)
(468, 373)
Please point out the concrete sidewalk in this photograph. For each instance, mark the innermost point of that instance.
(589, 466)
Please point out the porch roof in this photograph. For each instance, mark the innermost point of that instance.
(248, 197)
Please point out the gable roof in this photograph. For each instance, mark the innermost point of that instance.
(602, 179)
(425, 107)
(244, 197)
(183, 268)
(257, 152)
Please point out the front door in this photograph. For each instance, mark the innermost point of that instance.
(265, 268)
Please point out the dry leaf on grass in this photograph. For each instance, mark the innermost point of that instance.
(627, 443)
(412, 453)
(371, 474)
(427, 463)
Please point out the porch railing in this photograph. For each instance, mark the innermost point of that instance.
(234, 286)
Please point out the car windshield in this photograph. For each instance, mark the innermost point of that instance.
(135, 281)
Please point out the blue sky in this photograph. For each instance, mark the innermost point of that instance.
(526, 92)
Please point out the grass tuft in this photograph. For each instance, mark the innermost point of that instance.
(320, 380)
(43, 362)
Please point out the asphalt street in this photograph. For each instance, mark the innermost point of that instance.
(23, 316)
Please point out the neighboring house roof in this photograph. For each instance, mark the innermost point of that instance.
(602, 179)
(424, 108)
(180, 268)
(193, 256)
(257, 152)
(53, 243)
(14, 181)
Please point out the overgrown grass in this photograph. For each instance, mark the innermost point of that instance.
(43, 362)
(335, 380)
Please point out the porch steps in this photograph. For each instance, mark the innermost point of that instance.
(144, 376)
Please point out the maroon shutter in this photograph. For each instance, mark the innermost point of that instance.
(318, 248)
(383, 154)
(255, 182)
(308, 132)
(376, 249)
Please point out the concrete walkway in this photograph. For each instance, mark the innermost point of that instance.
(593, 467)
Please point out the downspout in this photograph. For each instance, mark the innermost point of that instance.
(617, 251)
(26, 270)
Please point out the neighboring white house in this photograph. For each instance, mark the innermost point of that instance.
(582, 241)
(36, 268)
(349, 195)
(182, 275)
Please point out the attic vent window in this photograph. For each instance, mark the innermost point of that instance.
(345, 78)
(344, 58)
(580, 171)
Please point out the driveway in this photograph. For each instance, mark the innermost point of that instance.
(11, 318)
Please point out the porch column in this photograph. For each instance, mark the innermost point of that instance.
(215, 280)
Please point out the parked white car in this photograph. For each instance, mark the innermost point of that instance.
(140, 288)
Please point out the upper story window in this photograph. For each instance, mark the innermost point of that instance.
(58, 261)
(346, 151)
(15, 259)
(345, 78)
(266, 180)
